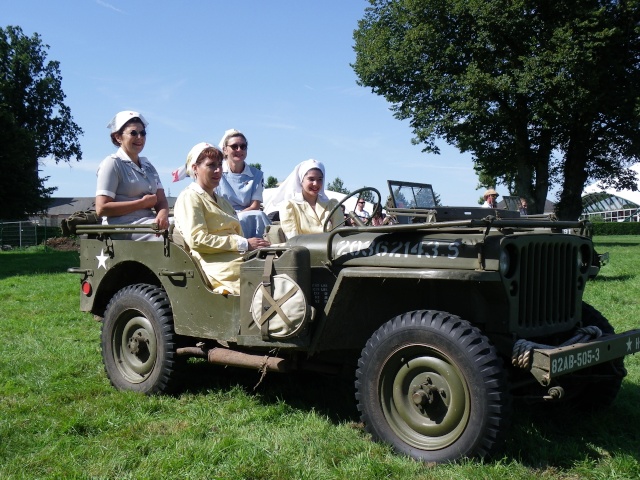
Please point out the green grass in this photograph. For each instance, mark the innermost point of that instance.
(60, 418)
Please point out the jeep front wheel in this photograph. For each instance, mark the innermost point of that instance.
(596, 387)
(433, 387)
(138, 344)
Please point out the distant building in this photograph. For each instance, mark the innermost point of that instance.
(62, 207)
(611, 205)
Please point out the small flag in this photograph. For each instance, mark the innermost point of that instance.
(179, 173)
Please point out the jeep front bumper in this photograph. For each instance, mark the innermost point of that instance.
(548, 364)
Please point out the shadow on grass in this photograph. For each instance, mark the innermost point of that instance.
(601, 245)
(31, 263)
(330, 396)
(617, 278)
(561, 436)
(541, 436)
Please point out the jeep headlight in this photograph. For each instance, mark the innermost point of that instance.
(508, 261)
(505, 262)
(579, 260)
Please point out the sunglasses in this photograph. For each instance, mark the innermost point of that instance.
(362, 203)
(237, 146)
(135, 133)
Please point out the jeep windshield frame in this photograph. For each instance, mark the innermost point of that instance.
(411, 195)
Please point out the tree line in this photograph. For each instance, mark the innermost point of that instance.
(542, 93)
(35, 123)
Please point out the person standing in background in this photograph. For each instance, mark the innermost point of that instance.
(523, 206)
(490, 199)
(360, 211)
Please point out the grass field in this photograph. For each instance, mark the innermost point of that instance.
(60, 418)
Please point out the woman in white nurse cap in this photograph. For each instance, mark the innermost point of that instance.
(209, 224)
(302, 203)
(129, 190)
(242, 184)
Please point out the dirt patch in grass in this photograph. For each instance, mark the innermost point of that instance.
(63, 244)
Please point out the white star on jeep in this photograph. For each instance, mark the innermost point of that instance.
(102, 259)
(629, 345)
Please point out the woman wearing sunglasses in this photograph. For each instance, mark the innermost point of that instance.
(241, 184)
(129, 190)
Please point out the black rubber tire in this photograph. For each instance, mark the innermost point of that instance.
(138, 340)
(430, 355)
(596, 394)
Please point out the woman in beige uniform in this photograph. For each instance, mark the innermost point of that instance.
(209, 224)
(302, 203)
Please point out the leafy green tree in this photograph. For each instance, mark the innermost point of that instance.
(540, 92)
(337, 186)
(34, 123)
(437, 199)
(389, 203)
(486, 181)
(368, 196)
(272, 182)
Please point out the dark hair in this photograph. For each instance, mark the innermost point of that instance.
(209, 152)
(114, 140)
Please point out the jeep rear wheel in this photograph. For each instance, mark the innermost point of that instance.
(433, 387)
(138, 341)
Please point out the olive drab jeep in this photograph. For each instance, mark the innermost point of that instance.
(459, 310)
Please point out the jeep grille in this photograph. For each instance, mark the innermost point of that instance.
(548, 285)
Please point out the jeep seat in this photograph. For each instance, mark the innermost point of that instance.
(176, 237)
(274, 234)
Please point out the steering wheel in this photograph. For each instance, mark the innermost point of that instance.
(352, 215)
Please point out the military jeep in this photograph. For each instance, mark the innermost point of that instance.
(446, 315)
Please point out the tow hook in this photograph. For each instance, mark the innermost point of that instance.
(554, 393)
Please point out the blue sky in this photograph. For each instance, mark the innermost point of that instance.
(279, 71)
